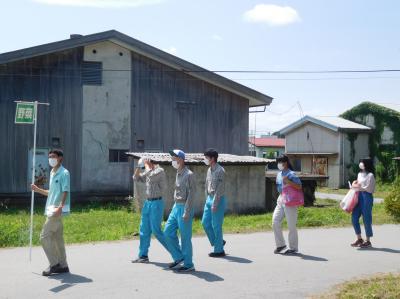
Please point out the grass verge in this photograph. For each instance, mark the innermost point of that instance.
(382, 286)
(110, 222)
(381, 190)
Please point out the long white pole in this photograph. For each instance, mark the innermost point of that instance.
(33, 178)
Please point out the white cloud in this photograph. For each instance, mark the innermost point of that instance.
(216, 37)
(100, 3)
(171, 50)
(271, 14)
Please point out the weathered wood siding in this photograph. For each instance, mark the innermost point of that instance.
(171, 109)
(53, 78)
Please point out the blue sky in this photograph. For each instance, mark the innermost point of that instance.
(299, 35)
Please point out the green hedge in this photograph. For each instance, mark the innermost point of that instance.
(392, 201)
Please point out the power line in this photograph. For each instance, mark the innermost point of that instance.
(185, 70)
(194, 79)
(282, 113)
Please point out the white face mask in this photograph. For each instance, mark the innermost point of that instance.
(175, 164)
(280, 166)
(53, 162)
(361, 165)
(207, 162)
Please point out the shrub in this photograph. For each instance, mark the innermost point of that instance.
(392, 201)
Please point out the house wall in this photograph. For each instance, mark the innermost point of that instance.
(172, 109)
(361, 148)
(139, 100)
(334, 171)
(334, 168)
(244, 187)
(53, 78)
(106, 119)
(387, 137)
(325, 140)
(318, 139)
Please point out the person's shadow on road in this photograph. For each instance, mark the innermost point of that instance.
(307, 257)
(207, 276)
(236, 259)
(388, 250)
(68, 280)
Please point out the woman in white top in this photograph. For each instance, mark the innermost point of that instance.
(365, 183)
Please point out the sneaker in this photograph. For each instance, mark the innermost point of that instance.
(141, 259)
(217, 254)
(290, 251)
(279, 249)
(173, 265)
(366, 244)
(60, 270)
(185, 269)
(357, 243)
(50, 270)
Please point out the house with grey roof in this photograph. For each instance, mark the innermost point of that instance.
(109, 94)
(325, 145)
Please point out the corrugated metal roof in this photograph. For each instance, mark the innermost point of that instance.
(197, 158)
(333, 123)
(268, 142)
(255, 98)
(314, 154)
(341, 123)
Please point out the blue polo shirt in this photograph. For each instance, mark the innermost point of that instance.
(59, 183)
(290, 175)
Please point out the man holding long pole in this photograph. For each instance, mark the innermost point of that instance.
(57, 205)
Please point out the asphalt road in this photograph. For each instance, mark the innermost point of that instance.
(251, 270)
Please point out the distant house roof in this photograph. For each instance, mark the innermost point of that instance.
(255, 98)
(268, 142)
(198, 158)
(311, 154)
(333, 123)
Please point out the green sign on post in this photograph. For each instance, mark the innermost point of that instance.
(25, 113)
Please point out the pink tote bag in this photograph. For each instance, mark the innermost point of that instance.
(292, 197)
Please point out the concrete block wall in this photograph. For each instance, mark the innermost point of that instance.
(244, 186)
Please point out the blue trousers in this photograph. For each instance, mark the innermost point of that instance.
(175, 221)
(212, 223)
(152, 216)
(364, 208)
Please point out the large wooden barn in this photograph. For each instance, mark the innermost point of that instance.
(109, 94)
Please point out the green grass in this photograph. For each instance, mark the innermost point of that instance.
(97, 222)
(381, 190)
(383, 286)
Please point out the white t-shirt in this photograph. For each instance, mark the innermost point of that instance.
(367, 181)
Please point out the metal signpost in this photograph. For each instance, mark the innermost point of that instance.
(26, 113)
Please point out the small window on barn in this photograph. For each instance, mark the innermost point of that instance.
(92, 73)
(117, 155)
(296, 163)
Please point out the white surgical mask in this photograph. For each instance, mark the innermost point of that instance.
(280, 166)
(53, 162)
(361, 165)
(207, 162)
(175, 164)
